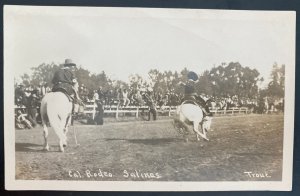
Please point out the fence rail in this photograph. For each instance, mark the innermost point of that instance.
(91, 108)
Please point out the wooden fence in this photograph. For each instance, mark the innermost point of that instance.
(136, 110)
(91, 109)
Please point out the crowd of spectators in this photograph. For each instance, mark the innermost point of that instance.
(27, 104)
(123, 97)
(27, 100)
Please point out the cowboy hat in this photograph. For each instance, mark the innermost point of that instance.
(192, 76)
(69, 63)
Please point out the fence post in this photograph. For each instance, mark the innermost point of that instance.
(117, 111)
(137, 112)
(94, 110)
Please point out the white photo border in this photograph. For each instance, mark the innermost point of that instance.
(9, 137)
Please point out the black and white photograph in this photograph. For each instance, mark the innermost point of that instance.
(148, 99)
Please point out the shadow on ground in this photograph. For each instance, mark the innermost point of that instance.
(28, 147)
(158, 141)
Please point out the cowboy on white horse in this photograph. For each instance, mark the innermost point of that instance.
(190, 94)
(57, 106)
(193, 109)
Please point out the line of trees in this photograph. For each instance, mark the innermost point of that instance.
(224, 80)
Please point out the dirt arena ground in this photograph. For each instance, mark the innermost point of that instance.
(241, 148)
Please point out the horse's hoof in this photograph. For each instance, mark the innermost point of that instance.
(206, 139)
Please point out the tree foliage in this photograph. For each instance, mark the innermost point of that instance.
(276, 86)
(234, 79)
(224, 80)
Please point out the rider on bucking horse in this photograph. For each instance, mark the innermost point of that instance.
(191, 95)
(64, 81)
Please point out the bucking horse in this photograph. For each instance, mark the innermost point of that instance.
(188, 113)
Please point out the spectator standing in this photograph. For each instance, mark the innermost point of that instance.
(20, 95)
(139, 98)
(32, 107)
(42, 90)
(119, 97)
(95, 96)
(101, 95)
(100, 112)
(109, 97)
(126, 100)
(151, 104)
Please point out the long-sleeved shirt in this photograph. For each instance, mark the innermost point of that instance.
(63, 76)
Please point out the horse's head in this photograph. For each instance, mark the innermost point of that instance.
(206, 123)
(209, 102)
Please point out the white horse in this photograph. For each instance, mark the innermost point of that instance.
(56, 109)
(187, 112)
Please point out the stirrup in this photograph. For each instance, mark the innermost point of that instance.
(206, 112)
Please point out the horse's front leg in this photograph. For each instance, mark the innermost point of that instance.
(45, 130)
(204, 131)
(198, 137)
(196, 129)
(64, 138)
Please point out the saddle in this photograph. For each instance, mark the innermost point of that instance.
(190, 102)
(66, 89)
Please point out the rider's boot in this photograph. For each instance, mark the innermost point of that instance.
(205, 110)
(208, 113)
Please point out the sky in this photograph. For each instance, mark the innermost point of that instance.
(125, 41)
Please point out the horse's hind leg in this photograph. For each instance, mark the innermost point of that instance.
(46, 145)
(62, 141)
(66, 128)
(44, 118)
(64, 137)
(182, 128)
